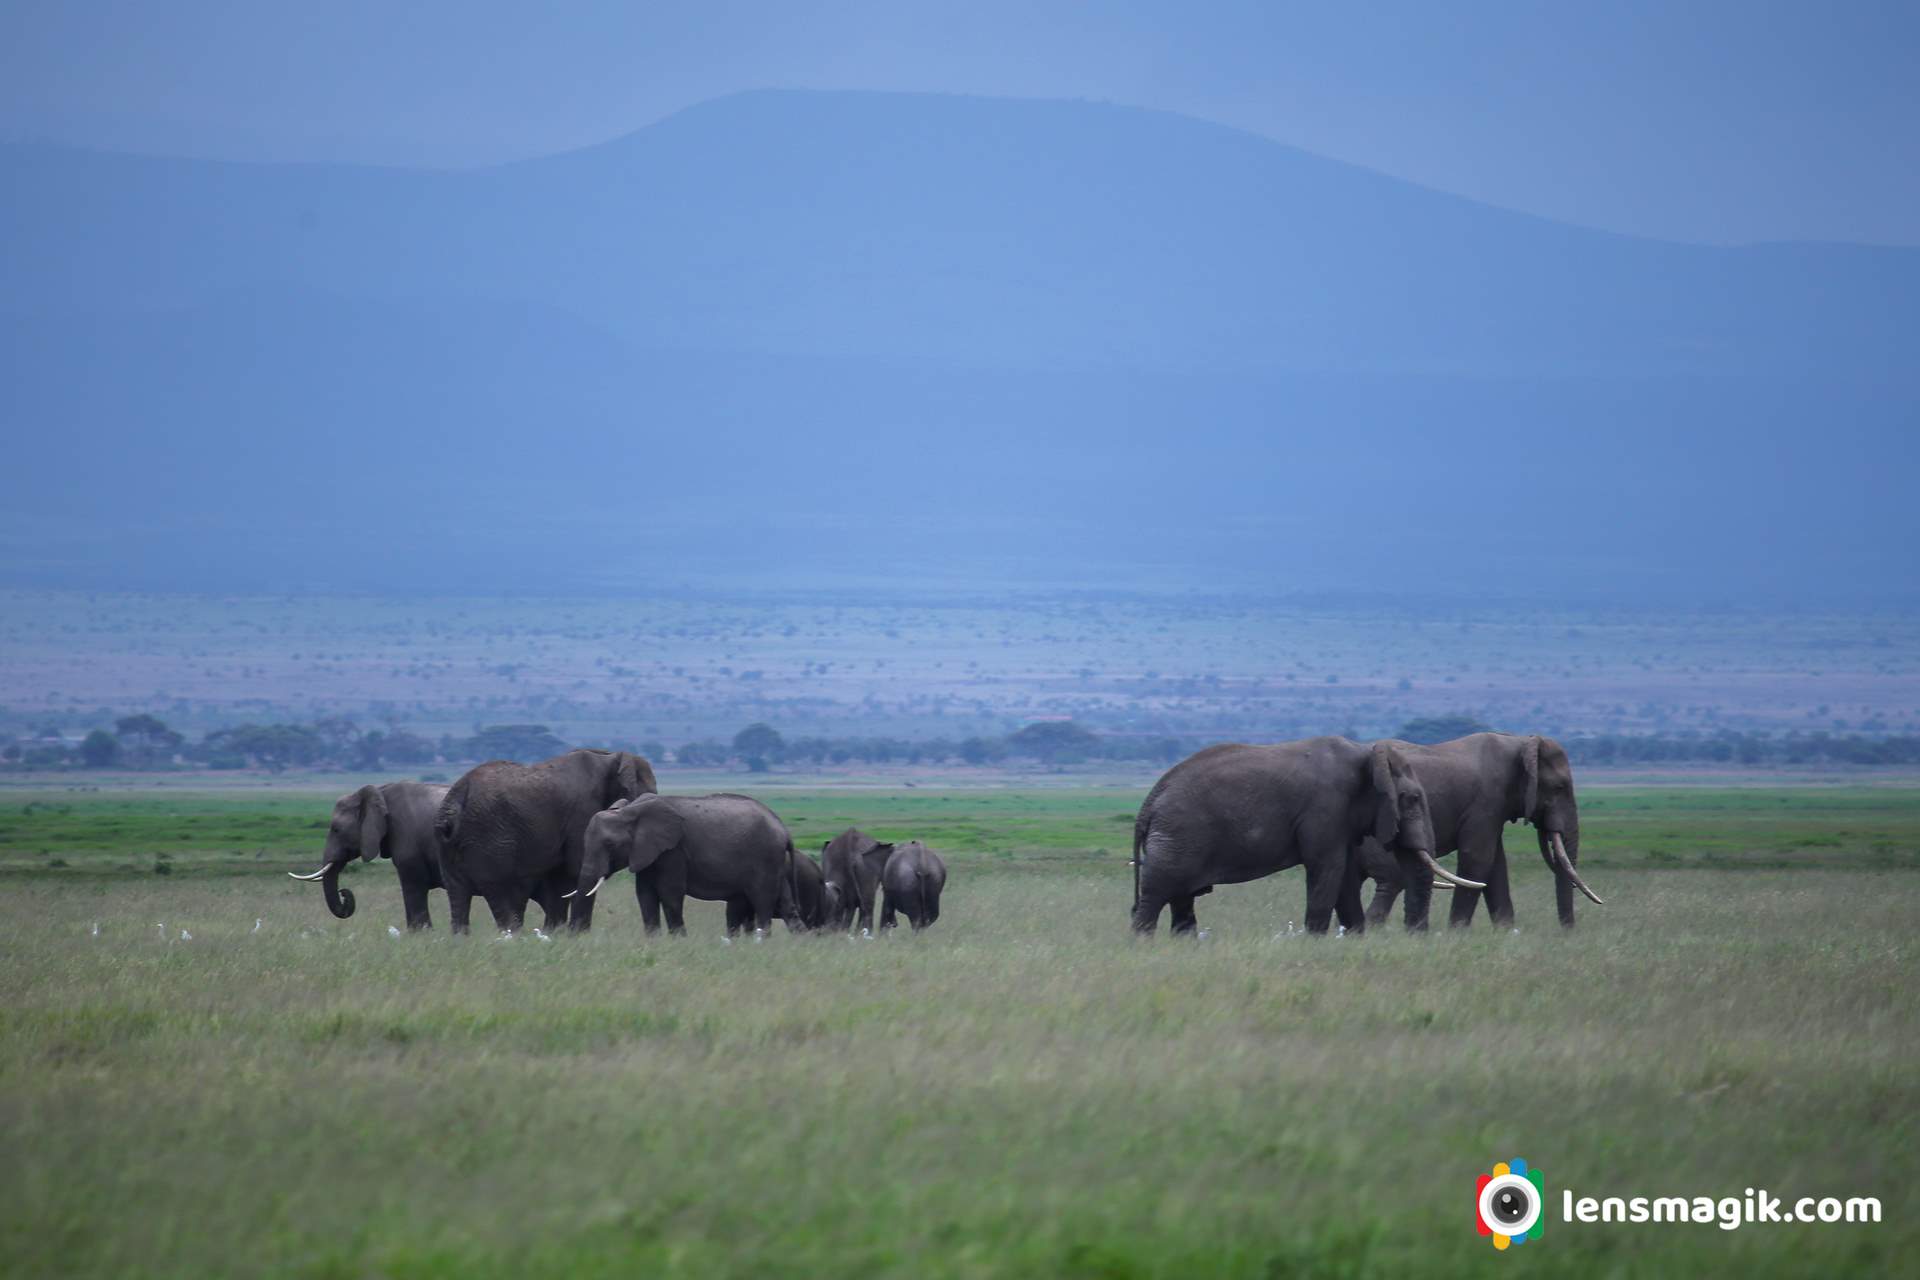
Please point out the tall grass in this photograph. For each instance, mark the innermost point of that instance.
(1022, 1091)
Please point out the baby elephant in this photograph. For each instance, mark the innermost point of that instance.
(911, 882)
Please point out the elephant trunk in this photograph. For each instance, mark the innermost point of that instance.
(339, 901)
(1567, 879)
(595, 867)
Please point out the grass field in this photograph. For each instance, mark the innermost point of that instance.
(1023, 1091)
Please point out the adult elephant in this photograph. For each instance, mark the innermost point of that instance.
(387, 820)
(718, 848)
(1475, 786)
(851, 864)
(1234, 812)
(510, 831)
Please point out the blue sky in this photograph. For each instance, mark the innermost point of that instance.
(1707, 121)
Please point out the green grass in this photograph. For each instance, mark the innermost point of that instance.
(1023, 1091)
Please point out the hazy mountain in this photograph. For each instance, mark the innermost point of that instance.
(813, 334)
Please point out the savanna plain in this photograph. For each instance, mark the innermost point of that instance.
(1023, 1090)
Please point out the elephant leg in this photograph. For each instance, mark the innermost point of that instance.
(553, 902)
(1499, 891)
(1347, 905)
(1181, 920)
(1475, 863)
(887, 920)
(738, 913)
(867, 883)
(648, 897)
(1323, 891)
(1460, 914)
(459, 905)
(1380, 906)
(414, 895)
(762, 905)
(670, 883)
(509, 907)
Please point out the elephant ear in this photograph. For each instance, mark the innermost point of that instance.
(1530, 766)
(658, 830)
(1386, 796)
(630, 778)
(373, 822)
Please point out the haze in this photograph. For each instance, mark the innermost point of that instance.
(1116, 298)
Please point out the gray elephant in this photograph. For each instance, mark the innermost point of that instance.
(851, 863)
(718, 848)
(1475, 786)
(912, 881)
(513, 831)
(389, 820)
(805, 882)
(1233, 813)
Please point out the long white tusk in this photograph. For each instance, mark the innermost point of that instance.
(568, 894)
(1441, 873)
(314, 876)
(1566, 865)
(596, 886)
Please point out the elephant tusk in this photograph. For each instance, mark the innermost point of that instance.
(596, 886)
(312, 876)
(568, 894)
(1441, 873)
(1566, 865)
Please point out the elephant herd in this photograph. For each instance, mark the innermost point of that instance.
(1347, 811)
(553, 832)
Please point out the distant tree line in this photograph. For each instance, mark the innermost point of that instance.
(143, 742)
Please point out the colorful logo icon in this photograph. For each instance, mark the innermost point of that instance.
(1510, 1204)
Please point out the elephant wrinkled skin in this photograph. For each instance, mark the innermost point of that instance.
(1475, 786)
(1234, 813)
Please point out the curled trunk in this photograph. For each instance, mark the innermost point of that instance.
(339, 901)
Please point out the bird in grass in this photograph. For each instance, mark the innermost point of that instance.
(185, 936)
(96, 928)
(256, 925)
(542, 936)
(392, 932)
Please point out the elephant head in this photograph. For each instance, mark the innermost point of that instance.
(1398, 816)
(628, 777)
(1546, 784)
(631, 834)
(358, 829)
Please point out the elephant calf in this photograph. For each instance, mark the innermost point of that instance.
(851, 864)
(809, 899)
(912, 881)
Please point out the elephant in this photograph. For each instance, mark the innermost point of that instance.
(510, 831)
(389, 820)
(1475, 786)
(809, 898)
(718, 848)
(1235, 812)
(912, 880)
(851, 863)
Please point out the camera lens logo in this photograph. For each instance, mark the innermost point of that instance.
(1509, 1204)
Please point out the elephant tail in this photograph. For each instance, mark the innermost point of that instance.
(446, 823)
(790, 892)
(1142, 823)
